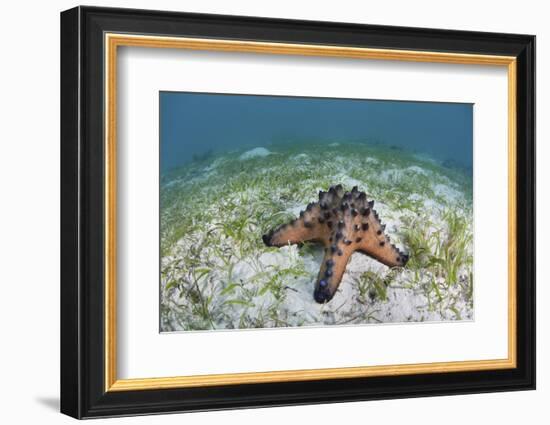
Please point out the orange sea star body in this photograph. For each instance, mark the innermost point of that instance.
(343, 223)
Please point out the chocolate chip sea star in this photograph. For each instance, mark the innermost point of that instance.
(343, 223)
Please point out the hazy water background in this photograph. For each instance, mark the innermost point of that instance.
(196, 125)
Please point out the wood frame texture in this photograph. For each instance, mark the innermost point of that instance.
(89, 41)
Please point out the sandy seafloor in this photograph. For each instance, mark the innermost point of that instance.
(217, 274)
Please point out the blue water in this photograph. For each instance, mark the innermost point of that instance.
(196, 125)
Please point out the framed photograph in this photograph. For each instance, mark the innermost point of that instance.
(261, 212)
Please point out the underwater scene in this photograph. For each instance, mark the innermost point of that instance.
(280, 211)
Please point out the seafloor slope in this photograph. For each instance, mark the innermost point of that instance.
(217, 274)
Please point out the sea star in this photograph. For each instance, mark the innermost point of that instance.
(343, 223)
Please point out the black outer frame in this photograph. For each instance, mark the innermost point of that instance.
(82, 218)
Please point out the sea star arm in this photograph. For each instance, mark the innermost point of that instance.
(308, 227)
(330, 274)
(376, 244)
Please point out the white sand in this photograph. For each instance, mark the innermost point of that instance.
(254, 153)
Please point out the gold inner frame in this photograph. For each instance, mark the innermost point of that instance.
(113, 41)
